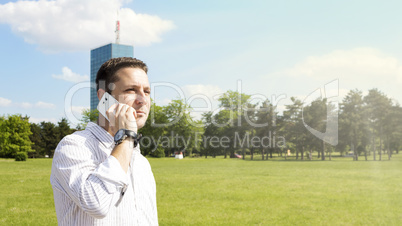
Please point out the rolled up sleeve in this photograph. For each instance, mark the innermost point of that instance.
(90, 183)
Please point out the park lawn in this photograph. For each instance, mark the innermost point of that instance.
(234, 192)
(26, 194)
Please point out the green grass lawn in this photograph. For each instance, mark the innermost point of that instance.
(234, 192)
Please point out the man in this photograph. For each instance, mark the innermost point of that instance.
(98, 176)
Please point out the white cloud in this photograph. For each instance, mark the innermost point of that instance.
(78, 109)
(38, 120)
(364, 65)
(205, 98)
(74, 114)
(342, 93)
(163, 102)
(80, 24)
(41, 104)
(25, 105)
(4, 102)
(70, 76)
(280, 109)
(334, 94)
(199, 89)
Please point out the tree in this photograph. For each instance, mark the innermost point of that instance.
(396, 137)
(215, 126)
(293, 126)
(181, 130)
(251, 125)
(353, 125)
(378, 108)
(3, 136)
(46, 135)
(236, 106)
(88, 116)
(315, 116)
(267, 116)
(63, 129)
(152, 132)
(392, 129)
(14, 136)
(38, 145)
(49, 137)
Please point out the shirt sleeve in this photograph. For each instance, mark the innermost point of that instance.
(92, 185)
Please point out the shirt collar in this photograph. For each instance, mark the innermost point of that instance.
(101, 134)
(104, 137)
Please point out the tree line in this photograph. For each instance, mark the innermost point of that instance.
(20, 139)
(368, 125)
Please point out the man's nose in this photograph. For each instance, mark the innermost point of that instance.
(140, 98)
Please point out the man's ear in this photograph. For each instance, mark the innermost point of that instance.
(100, 93)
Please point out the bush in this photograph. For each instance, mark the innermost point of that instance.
(21, 156)
(158, 153)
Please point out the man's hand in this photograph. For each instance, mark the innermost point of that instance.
(122, 116)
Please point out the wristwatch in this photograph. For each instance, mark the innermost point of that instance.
(122, 134)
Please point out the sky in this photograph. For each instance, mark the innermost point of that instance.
(197, 50)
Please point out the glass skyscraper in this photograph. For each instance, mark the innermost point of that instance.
(101, 55)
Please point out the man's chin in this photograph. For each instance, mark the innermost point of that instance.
(140, 123)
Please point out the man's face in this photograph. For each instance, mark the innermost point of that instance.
(132, 88)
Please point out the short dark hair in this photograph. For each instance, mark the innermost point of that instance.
(107, 72)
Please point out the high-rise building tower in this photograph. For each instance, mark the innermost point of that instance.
(101, 55)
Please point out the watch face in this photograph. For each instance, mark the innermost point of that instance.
(118, 135)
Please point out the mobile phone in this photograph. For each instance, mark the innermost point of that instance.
(105, 103)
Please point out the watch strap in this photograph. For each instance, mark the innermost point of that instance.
(128, 133)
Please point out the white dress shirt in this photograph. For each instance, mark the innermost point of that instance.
(91, 188)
